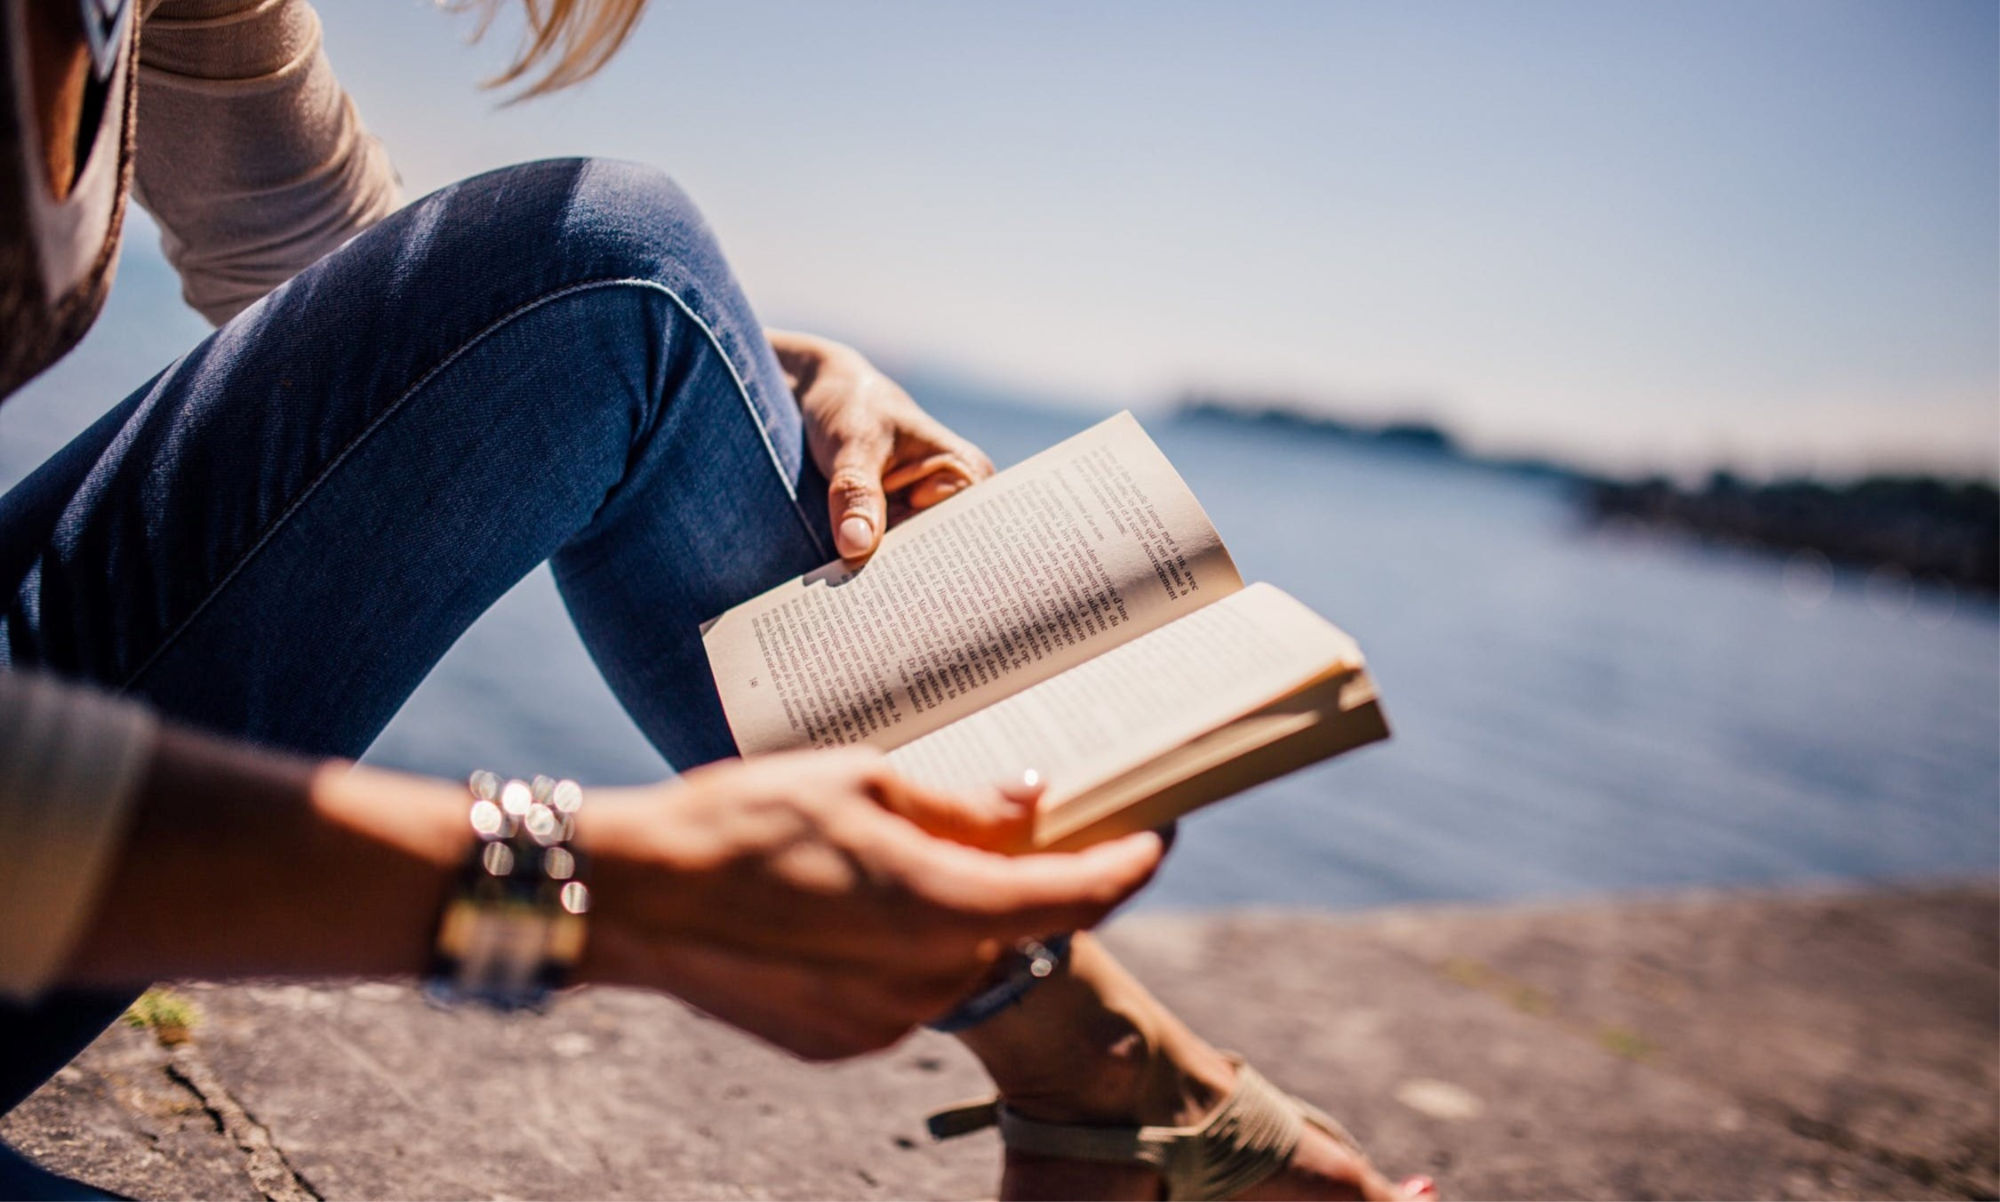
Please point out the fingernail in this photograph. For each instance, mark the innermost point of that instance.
(856, 534)
(946, 487)
(1419, 1186)
(1031, 780)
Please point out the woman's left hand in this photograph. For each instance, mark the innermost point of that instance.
(884, 458)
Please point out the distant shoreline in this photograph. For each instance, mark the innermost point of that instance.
(1923, 528)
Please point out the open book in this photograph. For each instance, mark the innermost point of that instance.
(1076, 614)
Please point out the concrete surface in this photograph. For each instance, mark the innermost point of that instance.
(1840, 1044)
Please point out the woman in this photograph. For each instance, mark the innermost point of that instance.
(260, 553)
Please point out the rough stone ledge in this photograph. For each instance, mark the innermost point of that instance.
(1829, 1045)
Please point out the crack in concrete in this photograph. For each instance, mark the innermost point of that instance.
(264, 1161)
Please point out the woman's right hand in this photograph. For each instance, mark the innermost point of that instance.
(805, 897)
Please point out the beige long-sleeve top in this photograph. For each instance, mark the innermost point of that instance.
(249, 154)
(255, 163)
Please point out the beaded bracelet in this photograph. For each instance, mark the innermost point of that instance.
(513, 927)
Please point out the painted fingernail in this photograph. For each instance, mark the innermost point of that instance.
(1419, 1187)
(856, 534)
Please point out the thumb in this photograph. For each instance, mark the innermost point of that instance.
(854, 498)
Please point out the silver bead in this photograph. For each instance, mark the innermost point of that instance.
(516, 797)
(487, 818)
(497, 859)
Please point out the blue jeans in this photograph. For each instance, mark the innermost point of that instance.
(279, 535)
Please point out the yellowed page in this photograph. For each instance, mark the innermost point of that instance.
(1140, 701)
(1077, 550)
(1321, 720)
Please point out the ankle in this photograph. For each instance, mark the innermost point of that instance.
(1092, 1046)
(1099, 1071)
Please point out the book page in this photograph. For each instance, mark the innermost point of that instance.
(1137, 702)
(1325, 718)
(1079, 549)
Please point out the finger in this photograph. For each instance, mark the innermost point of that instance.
(973, 458)
(932, 489)
(854, 496)
(1011, 896)
(1026, 789)
(996, 819)
(944, 467)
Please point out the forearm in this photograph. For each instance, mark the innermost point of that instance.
(241, 862)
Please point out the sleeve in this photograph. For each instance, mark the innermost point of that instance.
(70, 762)
(249, 154)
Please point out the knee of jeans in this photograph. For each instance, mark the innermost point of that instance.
(538, 227)
(627, 220)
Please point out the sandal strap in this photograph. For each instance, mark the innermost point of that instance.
(1154, 1147)
(964, 1119)
(1250, 1136)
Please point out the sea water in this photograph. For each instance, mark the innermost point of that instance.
(1576, 710)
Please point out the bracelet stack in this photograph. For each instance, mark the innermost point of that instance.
(513, 928)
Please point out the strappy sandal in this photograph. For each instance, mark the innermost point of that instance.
(1249, 1137)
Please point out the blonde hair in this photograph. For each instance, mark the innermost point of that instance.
(567, 40)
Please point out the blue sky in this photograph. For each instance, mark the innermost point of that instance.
(1767, 233)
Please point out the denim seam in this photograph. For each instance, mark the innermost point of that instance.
(743, 393)
(395, 407)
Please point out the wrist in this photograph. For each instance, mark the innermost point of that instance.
(391, 844)
(792, 345)
(633, 909)
(513, 928)
(416, 819)
(808, 359)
